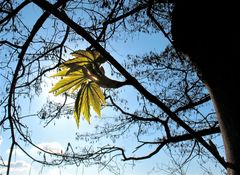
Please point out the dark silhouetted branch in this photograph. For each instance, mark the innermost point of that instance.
(133, 81)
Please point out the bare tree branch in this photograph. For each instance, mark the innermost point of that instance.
(16, 76)
(78, 29)
(14, 12)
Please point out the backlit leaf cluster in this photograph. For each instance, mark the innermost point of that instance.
(80, 74)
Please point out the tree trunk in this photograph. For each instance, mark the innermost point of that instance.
(209, 35)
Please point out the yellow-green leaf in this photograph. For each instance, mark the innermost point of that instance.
(90, 94)
(82, 73)
(68, 72)
(90, 55)
(76, 117)
(81, 105)
(76, 108)
(62, 72)
(85, 108)
(80, 58)
(99, 94)
(70, 82)
(94, 100)
(74, 88)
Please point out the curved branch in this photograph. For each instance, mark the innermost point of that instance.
(135, 117)
(129, 13)
(134, 82)
(51, 68)
(175, 139)
(15, 11)
(16, 76)
(10, 44)
(191, 105)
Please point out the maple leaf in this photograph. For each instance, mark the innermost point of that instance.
(79, 74)
(90, 94)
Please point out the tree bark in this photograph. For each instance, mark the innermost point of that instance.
(208, 33)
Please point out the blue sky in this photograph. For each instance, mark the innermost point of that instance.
(57, 134)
